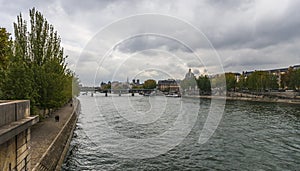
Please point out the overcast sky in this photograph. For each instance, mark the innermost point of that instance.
(115, 40)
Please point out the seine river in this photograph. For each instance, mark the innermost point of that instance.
(162, 133)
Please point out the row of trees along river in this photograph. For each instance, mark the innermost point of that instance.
(257, 81)
(264, 81)
(33, 65)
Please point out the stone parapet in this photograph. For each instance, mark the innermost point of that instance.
(15, 123)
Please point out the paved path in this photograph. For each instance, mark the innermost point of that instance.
(44, 132)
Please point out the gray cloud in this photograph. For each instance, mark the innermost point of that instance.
(247, 34)
(145, 42)
(248, 24)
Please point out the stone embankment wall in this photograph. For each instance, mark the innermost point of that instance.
(279, 97)
(15, 123)
(55, 154)
(274, 95)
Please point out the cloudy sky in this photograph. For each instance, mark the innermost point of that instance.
(115, 40)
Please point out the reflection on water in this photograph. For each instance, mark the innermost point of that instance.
(251, 135)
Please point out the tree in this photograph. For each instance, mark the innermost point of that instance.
(261, 81)
(105, 87)
(5, 54)
(5, 48)
(137, 87)
(286, 79)
(230, 81)
(242, 84)
(272, 82)
(204, 84)
(47, 61)
(149, 84)
(295, 79)
(37, 70)
(254, 81)
(19, 82)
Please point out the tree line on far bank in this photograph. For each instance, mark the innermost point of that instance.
(260, 81)
(33, 67)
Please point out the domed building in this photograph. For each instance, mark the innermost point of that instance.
(189, 83)
(189, 75)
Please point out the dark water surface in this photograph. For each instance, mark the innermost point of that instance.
(250, 136)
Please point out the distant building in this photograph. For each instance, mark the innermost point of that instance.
(136, 82)
(120, 87)
(247, 73)
(189, 83)
(237, 76)
(169, 85)
(103, 84)
(189, 75)
(296, 66)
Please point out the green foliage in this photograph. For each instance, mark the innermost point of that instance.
(5, 48)
(149, 84)
(242, 83)
(262, 81)
(106, 87)
(272, 82)
(137, 87)
(231, 82)
(5, 53)
(291, 79)
(188, 83)
(286, 79)
(19, 83)
(75, 85)
(204, 84)
(37, 69)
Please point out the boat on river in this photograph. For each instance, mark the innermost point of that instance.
(173, 95)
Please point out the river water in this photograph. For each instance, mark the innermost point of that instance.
(143, 135)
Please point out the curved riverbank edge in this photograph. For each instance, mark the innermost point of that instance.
(54, 156)
(253, 99)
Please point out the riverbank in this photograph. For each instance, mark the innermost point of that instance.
(50, 138)
(254, 98)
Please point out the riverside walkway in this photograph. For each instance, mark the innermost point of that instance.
(44, 132)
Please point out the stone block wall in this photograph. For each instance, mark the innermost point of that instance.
(15, 123)
(11, 111)
(8, 155)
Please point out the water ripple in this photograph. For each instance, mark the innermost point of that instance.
(251, 136)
